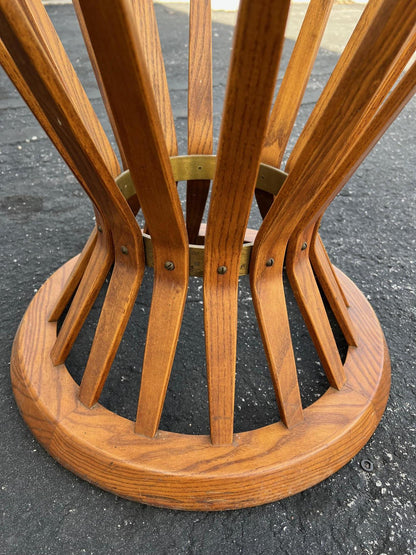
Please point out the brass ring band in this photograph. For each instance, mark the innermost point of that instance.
(198, 166)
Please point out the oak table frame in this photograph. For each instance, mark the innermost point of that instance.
(365, 93)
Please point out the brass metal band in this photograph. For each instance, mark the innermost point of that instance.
(197, 166)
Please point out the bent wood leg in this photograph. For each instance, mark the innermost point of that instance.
(200, 126)
(367, 90)
(135, 114)
(237, 163)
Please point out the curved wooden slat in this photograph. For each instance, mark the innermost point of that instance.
(325, 140)
(75, 277)
(135, 113)
(145, 22)
(200, 125)
(46, 34)
(295, 80)
(308, 297)
(258, 43)
(362, 132)
(115, 314)
(59, 108)
(292, 90)
(333, 292)
(97, 74)
(90, 285)
(319, 257)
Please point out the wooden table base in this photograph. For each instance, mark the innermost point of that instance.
(186, 471)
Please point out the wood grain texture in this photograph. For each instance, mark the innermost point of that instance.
(90, 285)
(258, 41)
(292, 90)
(295, 80)
(328, 281)
(136, 116)
(317, 253)
(134, 459)
(98, 78)
(37, 56)
(259, 467)
(200, 111)
(46, 34)
(75, 277)
(348, 95)
(145, 23)
(308, 297)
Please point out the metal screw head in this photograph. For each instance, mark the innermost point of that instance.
(221, 270)
(124, 250)
(100, 229)
(270, 262)
(169, 265)
(304, 246)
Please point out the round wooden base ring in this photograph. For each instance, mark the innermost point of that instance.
(184, 471)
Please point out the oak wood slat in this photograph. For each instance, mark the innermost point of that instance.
(97, 74)
(292, 90)
(39, 72)
(135, 113)
(46, 34)
(297, 261)
(200, 111)
(145, 22)
(75, 276)
(333, 292)
(317, 253)
(258, 41)
(347, 96)
(9, 66)
(369, 136)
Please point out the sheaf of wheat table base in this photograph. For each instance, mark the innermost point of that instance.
(260, 466)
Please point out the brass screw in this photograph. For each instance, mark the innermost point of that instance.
(222, 269)
(169, 265)
(304, 246)
(270, 262)
(124, 250)
(100, 229)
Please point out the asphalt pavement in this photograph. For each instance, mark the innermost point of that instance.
(369, 232)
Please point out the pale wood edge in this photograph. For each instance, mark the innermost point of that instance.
(187, 472)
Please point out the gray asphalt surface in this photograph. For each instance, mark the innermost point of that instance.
(370, 234)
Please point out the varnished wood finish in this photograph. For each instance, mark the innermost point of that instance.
(292, 90)
(260, 466)
(75, 277)
(257, 47)
(334, 294)
(200, 125)
(37, 54)
(348, 95)
(223, 470)
(144, 21)
(135, 113)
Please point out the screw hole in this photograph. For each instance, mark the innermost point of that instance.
(367, 465)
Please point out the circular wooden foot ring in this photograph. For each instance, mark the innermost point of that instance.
(184, 471)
